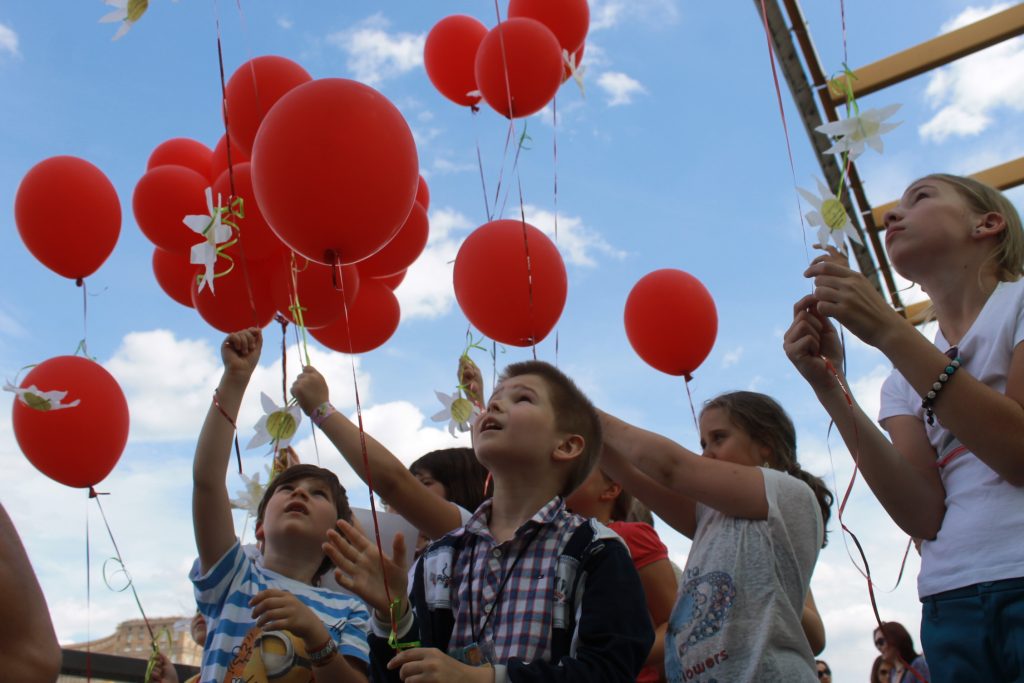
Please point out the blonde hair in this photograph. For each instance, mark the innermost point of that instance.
(982, 198)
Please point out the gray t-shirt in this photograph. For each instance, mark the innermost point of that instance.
(738, 613)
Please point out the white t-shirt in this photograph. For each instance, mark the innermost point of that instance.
(742, 594)
(979, 537)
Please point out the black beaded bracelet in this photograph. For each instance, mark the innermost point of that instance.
(929, 399)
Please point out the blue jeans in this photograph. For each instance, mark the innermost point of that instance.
(975, 633)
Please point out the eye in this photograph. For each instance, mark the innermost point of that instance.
(286, 487)
(524, 397)
(320, 492)
(919, 195)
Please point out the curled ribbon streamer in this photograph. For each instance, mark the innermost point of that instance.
(227, 214)
(393, 636)
(154, 655)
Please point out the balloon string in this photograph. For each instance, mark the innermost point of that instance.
(83, 345)
(529, 270)
(296, 307)
(366, 457)
(284, 356)
(687, 378)
(554, 148)
(312, 427)
(480, 165)
(88, 601)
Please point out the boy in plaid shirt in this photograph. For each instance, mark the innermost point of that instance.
(525, 591)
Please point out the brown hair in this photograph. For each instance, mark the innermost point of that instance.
(458, 470)
(298, 472)
(764, 421)
(574, 414)
(981, 198)
(897, 635)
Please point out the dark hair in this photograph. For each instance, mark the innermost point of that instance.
(897, 635)
(458, 470)
(298, 472)
(764, 421)
(574, 414)
(638, 512)
(876, 668)
(623, 504)
(828, 669)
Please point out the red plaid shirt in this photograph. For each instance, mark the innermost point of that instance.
(519, 623)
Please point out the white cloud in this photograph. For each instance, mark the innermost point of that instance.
(427, 290)
(620, 87)
(577, 242)
(285, 23)
(605, 14)
(443, 166)
(8, 41)
(731, 358)
(970, 90)
(374, 55)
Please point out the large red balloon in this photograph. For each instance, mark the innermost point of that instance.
(671, 321)
(68, 215)
(321, 298)
(76, 446)
(258, 241)
(423, 193)
(228, 307)
(335, 170)
(449, 55)
(392, 281)
(521, 56)
(501, 296)
(181, 152)
(404, 248)
(219, 158)
(162, 198)
(174, 274)
(372, 319)
(569, 20)
(252, 91)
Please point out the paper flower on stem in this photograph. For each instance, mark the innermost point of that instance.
(830, 217)
(40, 400)
(865, 128)
(576, 71)
(458, 411)
(127, 12)
(278, 425)
(215, 232)
(249, 498)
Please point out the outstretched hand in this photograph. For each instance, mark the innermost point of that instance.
(359, 568)
(310, 389)
(810, 341)
(163, 670)
(241, 352)
(430, 665)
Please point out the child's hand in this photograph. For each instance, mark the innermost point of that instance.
(197, 627)
(810, 338)
(359, 568)
(310, 389)
(471, 378)
(429, 665)
(278, 610)
(163, 670)
(241, 352)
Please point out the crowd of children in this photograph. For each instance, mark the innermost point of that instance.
(528, 568)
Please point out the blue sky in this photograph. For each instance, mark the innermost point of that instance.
(675, 158)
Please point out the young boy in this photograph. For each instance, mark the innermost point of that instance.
(525, 591)
(266, 619)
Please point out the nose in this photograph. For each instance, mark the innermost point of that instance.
(890, 216)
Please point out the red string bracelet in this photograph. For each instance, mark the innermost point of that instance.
(231, 421)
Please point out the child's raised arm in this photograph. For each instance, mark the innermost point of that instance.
(428, 512)
(211, 509)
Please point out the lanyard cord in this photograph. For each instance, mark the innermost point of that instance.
(501, 588)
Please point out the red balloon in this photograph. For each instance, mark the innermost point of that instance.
(569, 20)
(76, 446)
(449, 55)
(372, 319)
(404, 248)
(257, 239)
(321, 298)
(68, 215)
(162, 199)
(252, 91)
(671, 321)
(577, 60)
(335, 169)
(423, 193)
(504, 299)
(392, 281)
(219, 158)
(181, 152)
(522, 55)
(228, 307)
(174, 274)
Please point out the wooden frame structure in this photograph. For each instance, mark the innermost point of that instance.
(818, 100)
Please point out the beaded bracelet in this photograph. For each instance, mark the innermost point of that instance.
(322, 655)
(929, 399)
(321, 413)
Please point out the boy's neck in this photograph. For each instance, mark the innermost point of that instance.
(514, 502)
(292, 563)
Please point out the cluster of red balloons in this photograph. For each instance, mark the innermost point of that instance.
(671, 321)
(334, 207)
(517, 66)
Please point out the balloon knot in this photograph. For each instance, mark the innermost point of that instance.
(79, 282)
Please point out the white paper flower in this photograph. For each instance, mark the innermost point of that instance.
(458, 411)
(214, 231)
(40, 400)
(249, 498)
(576, 71)
(830, 217)
(126, 11)
(867, 128)
(278, 425)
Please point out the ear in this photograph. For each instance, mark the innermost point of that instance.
(259, 532)
(988, 224)
(766, 454)
(610, 492)
(569, 448)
